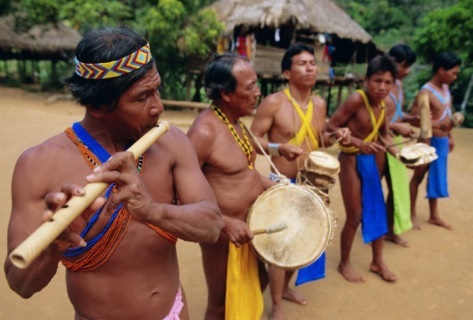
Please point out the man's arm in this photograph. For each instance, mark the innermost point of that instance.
(30, 197)
(262, 124)
(197, 217)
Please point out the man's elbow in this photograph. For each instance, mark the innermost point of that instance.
(215, 231)
(21, 290)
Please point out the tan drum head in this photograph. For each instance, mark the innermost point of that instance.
(322, 163)
(308, 221)
(420, 152)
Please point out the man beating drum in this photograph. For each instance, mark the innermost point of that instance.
(227, 157)
(294, 121)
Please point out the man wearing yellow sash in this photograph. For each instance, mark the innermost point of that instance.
(227, 157)
(361, 164)
(294, 121)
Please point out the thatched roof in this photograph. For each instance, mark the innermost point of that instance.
(42, 42)
(320, 16)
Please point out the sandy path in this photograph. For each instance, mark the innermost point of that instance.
(435, 277)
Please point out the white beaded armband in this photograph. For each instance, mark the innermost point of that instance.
(273, 149)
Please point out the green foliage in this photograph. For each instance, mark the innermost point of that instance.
(33, 12)
(88, 14)
(447, 29)
(202, 28)
(177, 33)
(176, 29)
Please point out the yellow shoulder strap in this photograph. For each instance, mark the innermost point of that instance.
(373, 136)
(306, 129)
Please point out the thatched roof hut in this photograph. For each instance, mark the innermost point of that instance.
(43, 42)
(303, 17)
(320, 16)
(266, 28)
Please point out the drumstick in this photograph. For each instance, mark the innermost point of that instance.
(40, 239)
(280, 176)
(333, 133)
(270, 229)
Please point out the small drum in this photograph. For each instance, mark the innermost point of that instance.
(310, 226)
(322, 163)
(458, 118)
(319, 170)
(417, 154)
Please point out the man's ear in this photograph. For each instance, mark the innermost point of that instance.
(97, 112)
(287, 75)
(224, 95)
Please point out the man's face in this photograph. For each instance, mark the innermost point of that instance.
(450, 75)
(139, 106)
(403, 70)
(247, 93)
(379, 85)
(303, 70)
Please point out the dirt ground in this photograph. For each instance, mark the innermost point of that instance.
(435, 279)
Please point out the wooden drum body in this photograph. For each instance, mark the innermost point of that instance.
(309, 224)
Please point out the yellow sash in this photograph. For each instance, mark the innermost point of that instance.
(373, 136)
(306, 129)
(243, 298)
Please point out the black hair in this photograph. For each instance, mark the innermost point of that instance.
(103, 45)
(402, 53)
(219, 74)
(382, 63)
(446, 60)
(295, 49)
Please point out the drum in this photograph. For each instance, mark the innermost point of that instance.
(322, 163)
(458, 118)
(319, 170)
(417, 154)
(309, 226)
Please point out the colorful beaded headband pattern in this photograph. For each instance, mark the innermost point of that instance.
(112, 69)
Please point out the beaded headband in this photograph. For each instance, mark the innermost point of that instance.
(112, 69)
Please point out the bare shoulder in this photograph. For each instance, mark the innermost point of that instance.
(318, 101)
(45, 167)
(175, 142)
(46, 153)
(272, 102)
(351, 104)
(203, 126)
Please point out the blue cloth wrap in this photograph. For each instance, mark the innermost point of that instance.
(314, 271)
(373, 215)
(437, 184)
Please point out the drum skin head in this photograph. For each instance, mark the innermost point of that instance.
(420, 153)
(308, 221)
(322, 163)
